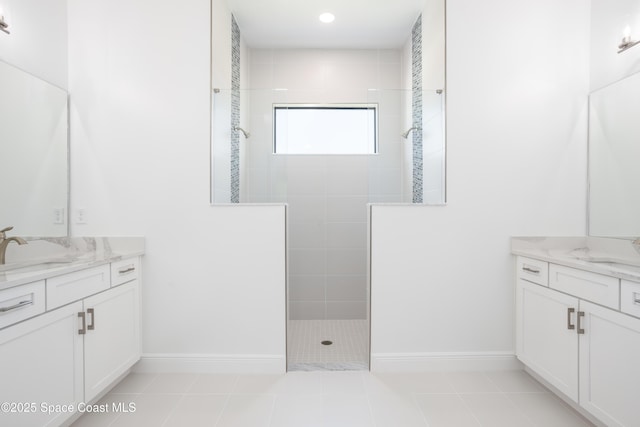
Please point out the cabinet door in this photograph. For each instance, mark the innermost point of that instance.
(112, 342)
(41, 363)
(609, 371)
(545, 339)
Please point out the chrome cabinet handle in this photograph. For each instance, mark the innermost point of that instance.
(127, 269)
(570, 311)
(580, 316)
(83, 329)
(92, 325)
(16, 306)
(531, 270)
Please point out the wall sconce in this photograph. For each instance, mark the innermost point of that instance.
(3, 25)
(626, 40)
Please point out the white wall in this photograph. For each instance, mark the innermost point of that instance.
(608, 21)
(38, 40)
(442, 279)
(214, 278)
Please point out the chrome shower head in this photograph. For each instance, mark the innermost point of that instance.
(244, 132)
(406, 134)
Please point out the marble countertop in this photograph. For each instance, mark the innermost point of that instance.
(612, 257)
(43, 258)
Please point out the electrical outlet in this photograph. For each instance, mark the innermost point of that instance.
(81, 216)
(58, 215)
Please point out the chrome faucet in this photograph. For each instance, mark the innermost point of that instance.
(4, 242)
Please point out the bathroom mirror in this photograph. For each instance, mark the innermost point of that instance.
(614, 158)
(280, 67)
(34, 189)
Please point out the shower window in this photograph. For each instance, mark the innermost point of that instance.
(325, 129)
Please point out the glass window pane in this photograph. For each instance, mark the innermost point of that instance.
(344, 129)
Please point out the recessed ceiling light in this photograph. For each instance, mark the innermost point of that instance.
(327, 17)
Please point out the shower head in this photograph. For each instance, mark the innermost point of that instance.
(244, 132)
(406, 134)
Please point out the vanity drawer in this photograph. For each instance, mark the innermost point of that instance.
(533, 270)
(630, 297)
(71, 287)
(124, 271)
(604, 290)
(21, 302)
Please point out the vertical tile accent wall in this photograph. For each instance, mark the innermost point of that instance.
(416, 107)
(235, 111)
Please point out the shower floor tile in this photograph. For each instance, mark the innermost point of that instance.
(349, 349)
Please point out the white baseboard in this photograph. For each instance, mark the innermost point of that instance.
(211, 363)
(429, 362)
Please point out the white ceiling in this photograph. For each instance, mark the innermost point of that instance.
(294, 23)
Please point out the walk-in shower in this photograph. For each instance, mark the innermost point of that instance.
(331, 131)
(327, 194)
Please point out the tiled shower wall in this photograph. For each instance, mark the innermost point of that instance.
(235, 112)
(229, 78)
(416, 107)
(327, 195)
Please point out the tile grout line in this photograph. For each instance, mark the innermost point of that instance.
(471, 411)
(273, 408)
(504, 393)
(168, 417)
(153, 378)
(182, 398)
(144, 389)
(414, 399)
(367, 394)
(226, 401)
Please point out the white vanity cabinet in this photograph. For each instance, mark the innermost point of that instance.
(88, 338)
(41, 363)
(587, 349)
(609, 365)
(546, 338)
(112, 338)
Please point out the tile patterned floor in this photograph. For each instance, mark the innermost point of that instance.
(335, 399)
(349, 349)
